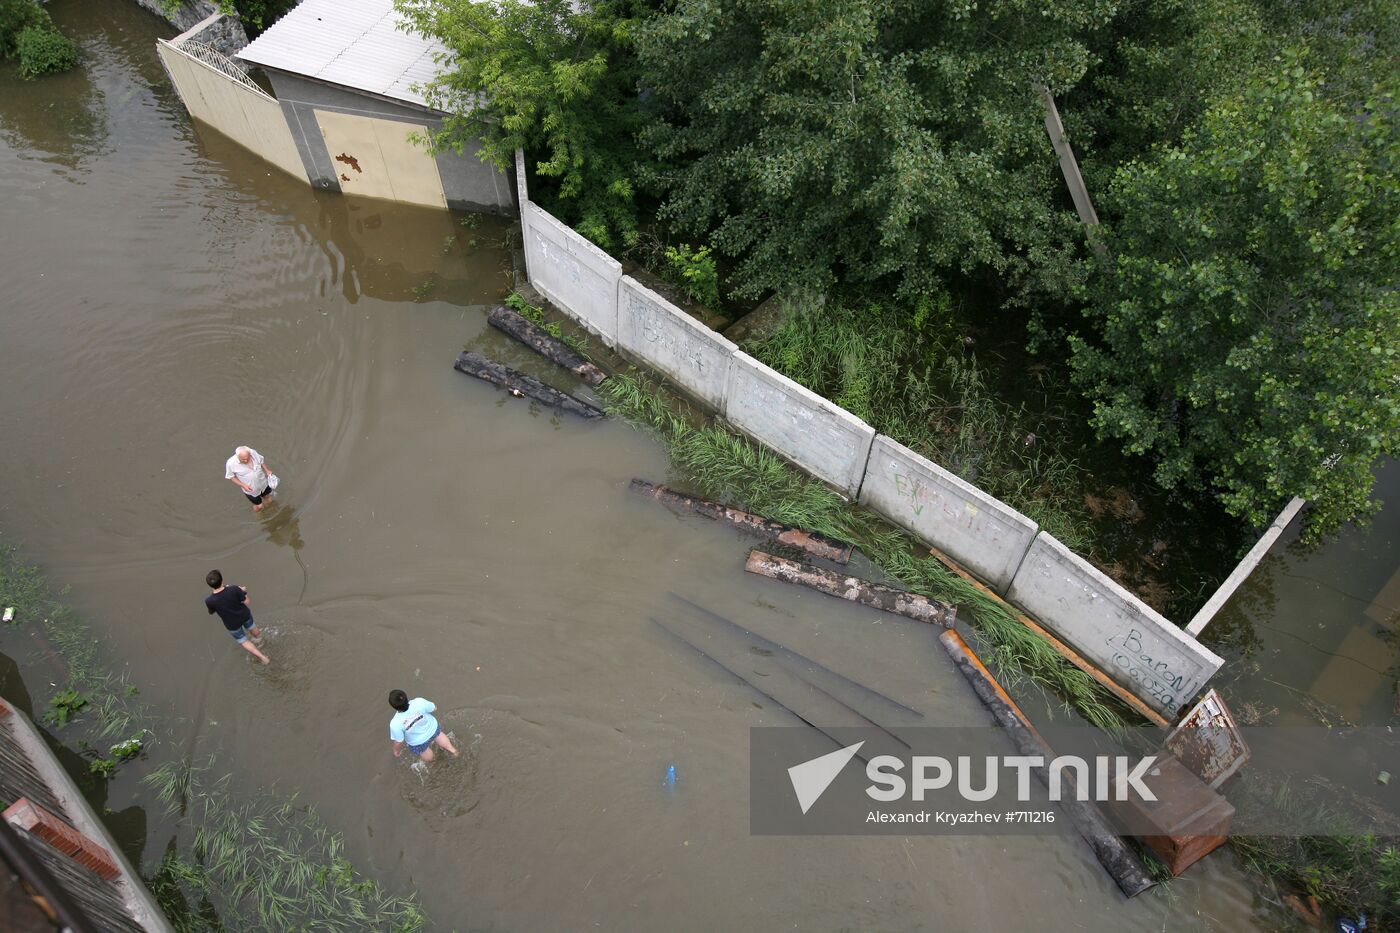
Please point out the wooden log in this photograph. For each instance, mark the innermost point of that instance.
(1065, 651)
(544, 343)
(1113, 854)
(814, 544)
(521, 385)
(805, 667)
(865, 592)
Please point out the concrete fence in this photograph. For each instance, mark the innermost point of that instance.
(1137, 647)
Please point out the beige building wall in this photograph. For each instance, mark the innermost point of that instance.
(239, 110)
(377, 159)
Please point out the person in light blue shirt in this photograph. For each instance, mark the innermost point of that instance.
(413, 725)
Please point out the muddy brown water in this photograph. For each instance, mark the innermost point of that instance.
(165, 296)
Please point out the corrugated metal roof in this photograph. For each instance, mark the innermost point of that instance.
(354, 43)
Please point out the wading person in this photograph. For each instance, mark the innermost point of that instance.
(231, 603)
(413, 725)
(247, 470)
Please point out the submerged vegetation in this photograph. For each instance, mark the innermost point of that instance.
(259, 866)
(723, 465)
(85, 689)
(267, 864)
(1347, 872)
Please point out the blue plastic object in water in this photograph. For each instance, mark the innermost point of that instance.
(669, 781)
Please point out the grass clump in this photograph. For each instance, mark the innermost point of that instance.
(535, 315)
(905, 372)
(724, 466)
(269, 864)
(693, 270)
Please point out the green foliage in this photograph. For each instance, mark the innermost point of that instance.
(256, 15)
(27, 32)
(1246, 332)
(42, 50)
(64, 706)
(15, 17)
(547, 78)
(724, 466)
(102, 767)
(1161, 62)
(269, 864)
(694, 271)
(904, 371)
(535, 315)
(863, 140)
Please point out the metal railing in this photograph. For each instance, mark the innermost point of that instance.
(220, 63)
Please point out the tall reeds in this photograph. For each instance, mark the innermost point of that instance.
(905, 372)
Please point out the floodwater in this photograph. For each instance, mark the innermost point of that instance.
(166, 297)
(1312, 635)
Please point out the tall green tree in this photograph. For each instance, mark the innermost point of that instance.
(1245, 333)
(551, 77)
(824, 141)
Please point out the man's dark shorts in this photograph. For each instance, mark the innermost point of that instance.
(257, 500)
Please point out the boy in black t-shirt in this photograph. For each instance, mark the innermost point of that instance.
(231, 603)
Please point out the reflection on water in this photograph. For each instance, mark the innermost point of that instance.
(1313, 632)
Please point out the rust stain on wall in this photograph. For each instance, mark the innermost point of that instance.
(350, 161)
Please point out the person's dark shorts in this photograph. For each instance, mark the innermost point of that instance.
(419, 749)
(257, 500)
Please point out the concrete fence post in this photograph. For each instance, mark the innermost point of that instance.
(1069, 166)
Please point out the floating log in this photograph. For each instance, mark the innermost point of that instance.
(519, 384)
(814, 544)
(1065, 651)
(865, 592)
(544, 343)
(1113, 854)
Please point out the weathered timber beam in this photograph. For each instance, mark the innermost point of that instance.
(865, 592)
(1113, 854)
(806, 666)
(544, 343)
(517, 383)
(814, 544)
(1065, 651)
(806, 701)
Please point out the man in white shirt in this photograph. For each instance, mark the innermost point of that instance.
(247, 470)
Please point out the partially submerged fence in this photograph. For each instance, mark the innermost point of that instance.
(1144, 652)
(217, 92)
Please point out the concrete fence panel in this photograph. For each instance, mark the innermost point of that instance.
(657, 332)
(1129, 641)
(825, 440)
(983, 534)
(572, 273)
